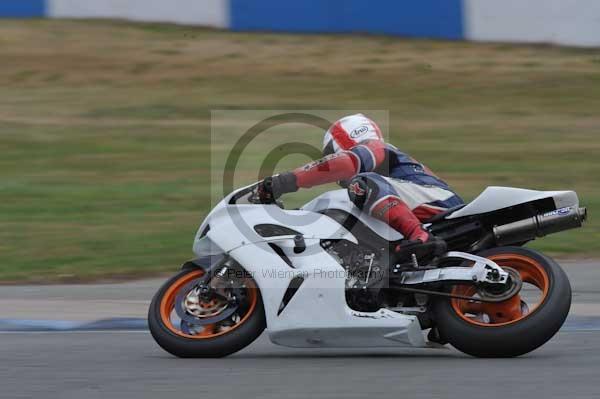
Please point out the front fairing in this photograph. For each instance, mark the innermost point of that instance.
(232, 224)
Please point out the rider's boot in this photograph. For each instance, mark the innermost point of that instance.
(418, 241)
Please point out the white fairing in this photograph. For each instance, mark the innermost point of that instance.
(233, 226)
(338, 199)
(317, 315)
(495, 198)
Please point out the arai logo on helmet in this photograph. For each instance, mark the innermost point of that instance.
(359, 131)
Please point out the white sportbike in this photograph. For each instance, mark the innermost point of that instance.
(322, 276)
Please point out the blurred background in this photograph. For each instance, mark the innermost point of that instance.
(105, 106)
(116, 117)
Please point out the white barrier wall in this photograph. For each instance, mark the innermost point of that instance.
(568, 22)
(213, 13)
(565, 22)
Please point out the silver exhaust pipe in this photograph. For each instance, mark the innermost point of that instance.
(540, 225)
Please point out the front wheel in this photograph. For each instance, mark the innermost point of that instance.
(513, 327)
(193, 316)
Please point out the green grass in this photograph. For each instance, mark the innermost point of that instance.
(105, 147)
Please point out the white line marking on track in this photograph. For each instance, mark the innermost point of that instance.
(77, 332)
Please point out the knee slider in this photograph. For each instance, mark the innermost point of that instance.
(358, 191)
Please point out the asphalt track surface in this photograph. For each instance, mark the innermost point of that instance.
(128, 364)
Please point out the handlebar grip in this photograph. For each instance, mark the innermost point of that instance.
(268, 183)
(266, 193)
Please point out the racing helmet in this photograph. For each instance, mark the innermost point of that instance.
(348, 132)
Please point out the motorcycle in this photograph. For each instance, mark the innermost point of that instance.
(322, 276)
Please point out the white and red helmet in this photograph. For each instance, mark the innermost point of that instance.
(348, 132)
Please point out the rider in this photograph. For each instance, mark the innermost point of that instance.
(383, 181)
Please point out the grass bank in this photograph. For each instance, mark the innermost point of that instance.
(105, 142)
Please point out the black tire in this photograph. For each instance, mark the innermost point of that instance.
(521, 336)
(218, 346)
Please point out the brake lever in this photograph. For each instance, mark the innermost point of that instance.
(254, 198)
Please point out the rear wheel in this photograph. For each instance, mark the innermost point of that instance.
(513, 327)
(189, 320)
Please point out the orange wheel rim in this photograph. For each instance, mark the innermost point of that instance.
(509, 311)
(167, 306)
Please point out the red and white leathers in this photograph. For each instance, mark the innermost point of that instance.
(387, 183)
